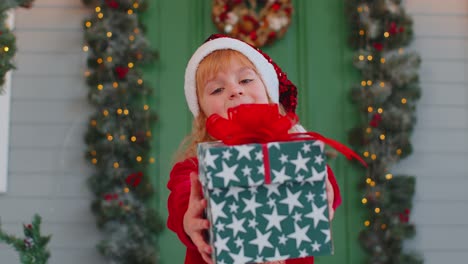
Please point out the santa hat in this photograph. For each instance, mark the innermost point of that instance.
(279, 88)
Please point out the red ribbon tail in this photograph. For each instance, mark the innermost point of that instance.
(347, 152)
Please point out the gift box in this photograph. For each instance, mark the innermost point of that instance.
(266, 201)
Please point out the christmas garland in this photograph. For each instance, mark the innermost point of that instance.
(33, 247)
(7, 38)
(251, 23)
(119, 132)
(386, 96)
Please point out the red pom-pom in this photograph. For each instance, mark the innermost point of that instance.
(134, 179)
(121, 71)
(378, 46)
(112, 4)
(376, 119)
(275, 6)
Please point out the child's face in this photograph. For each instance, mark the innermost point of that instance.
(234, 84)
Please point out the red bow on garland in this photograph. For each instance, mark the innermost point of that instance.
(262, 123)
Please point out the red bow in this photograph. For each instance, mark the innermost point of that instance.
(262, 123)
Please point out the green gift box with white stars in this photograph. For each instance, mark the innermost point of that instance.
(266, 202)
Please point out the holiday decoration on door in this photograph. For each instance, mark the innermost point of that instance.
(386, 96)
(256, 22)
(119, 131)
(33, 247)
(266, 202)
(7, 39)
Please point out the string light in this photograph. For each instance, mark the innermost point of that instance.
(139, 158)
(126, 112)
(110, 137)
(87, 73)
(130, 12)
(99, 60)
(368, 180)
(135, 5)
(151, 160)
(88, 24)
(146, 107)
(93, 153)
(100, 15)
(363, 83)
(119, 111)
(116, 165)
(126, 190)
(380, 110)
(368, 130)
(94, 161)
(105, 112)
(131, 38)
(403, 100)
(370, 109)
(364, 200)
(383, 226)
(389, 176)
(148, 133)
(98, 9)
(382, 137)
(100, 87)
(85, 48)
(361, 32)
(382, 84)
(130, 65)
(373, 157)
(140, 81)
(369, 58)
(109, 34)
(398, 152)
(361, 57)
(377, 210)
(367, 223)
(115, 84)
(366, 154)
(136, 30)
(386, 34)
(122, 137)
(369, 82)
(133, 138)
(382, 60)
(93, 123)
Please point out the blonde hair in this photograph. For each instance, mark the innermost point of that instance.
(216, 61)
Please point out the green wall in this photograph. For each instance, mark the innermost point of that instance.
(314, 55)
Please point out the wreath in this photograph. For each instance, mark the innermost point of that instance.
(256, 22)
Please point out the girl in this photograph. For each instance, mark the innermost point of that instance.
(224, 72)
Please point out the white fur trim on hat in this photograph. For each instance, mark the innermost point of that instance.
(264, 67)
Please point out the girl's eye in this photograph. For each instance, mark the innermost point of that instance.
(246, 81)
(217, 90)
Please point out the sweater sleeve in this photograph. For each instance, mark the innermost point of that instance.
(177, 204)
(336, 189)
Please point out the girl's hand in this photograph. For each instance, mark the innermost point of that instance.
(194, 222)
(330, 198)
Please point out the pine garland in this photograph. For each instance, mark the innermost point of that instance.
(7, 38)
(386, 97)
(119, 132)
(32, 248)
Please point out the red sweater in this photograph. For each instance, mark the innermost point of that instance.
(179, 186)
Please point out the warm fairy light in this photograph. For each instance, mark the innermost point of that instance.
(366, 154)
(139, 158)
(363, 83)
(361, 57)
(369, 82)
(400, 50)
(382, 60)
(126, 190)
(403, 100)
(133, 138)
(105, 112)
(100, 15)
(93, 153)
(369, 57)
(380, 110)
(373, 157)
(6, 49)
(136, 31)
(389, 176)
(372, 184)
(377, 194)
(109, 34)
(116, 165)
(135, 5)
(88, 24)
(364, 200)
(110, 137)
(119, 111)
(130, 11)
(140, 81)
(93, 122)
(115, 84)
(131, 38)
(399, 151)
(126, 112)
(361, 32)
(382, 84)
(151, 160)
(99, 60)
(98, 9)
(382, 137)
(100, 87)
(148, 133)
(87, 73)
(368, 130)
(146, 107)
(85, 48)
(386, 34)
(122, 137)
(94, 160)
(368, 180)
(383, 226)
(367, 223)
(370, 109)
(377, 210)
(130, 65)
(109, 59)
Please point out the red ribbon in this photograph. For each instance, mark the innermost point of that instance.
(263, 123)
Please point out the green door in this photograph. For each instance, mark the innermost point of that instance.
(315, 56)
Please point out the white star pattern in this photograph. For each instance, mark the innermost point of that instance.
(220, 226)
(240, 258)
(261, 241)
(318, 159)
(300, 234)
(259, 155)
(239, 242)
(300, 163)
(244, 151)
(292, 200)
(246, 171)
(324, 195)
(217, 210)
(216, 191)
(251, 205)
(297, 217)
(221, 262)
(236, 225)
(210, 159)
(278, 256)
(283, 158)
(252, 223)
(234, 191)
(280, 176)
(273, 145)
(282, 239)
(228, 173)
(261, 169)
(221, 244)
(272, 189)
(253, 189)
(233, 208)
(315, 246)
(317, 176)
(259, 259)
(317, 214)
(227, 154)
(274, 220)
(306, 147)
(310, 197)
(327, 234)
(271, 202)
(303, 253)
